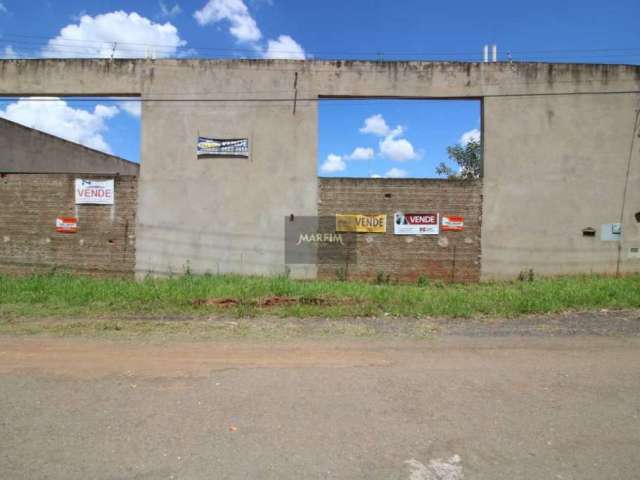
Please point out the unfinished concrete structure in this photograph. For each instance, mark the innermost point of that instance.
(557, 139)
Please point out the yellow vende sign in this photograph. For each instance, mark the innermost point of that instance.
(355, 222)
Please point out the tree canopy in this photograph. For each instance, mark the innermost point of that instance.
(468, 157)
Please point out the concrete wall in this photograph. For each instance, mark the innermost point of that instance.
(449, 256)
(558, 169)
(222, 215)
(557, 141)
(25, 150)
(103, 245)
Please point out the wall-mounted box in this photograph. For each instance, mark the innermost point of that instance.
(611, 232)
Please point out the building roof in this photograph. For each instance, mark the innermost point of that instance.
(27, 150)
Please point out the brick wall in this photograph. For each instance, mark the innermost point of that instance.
(449, 256)
(103, 245)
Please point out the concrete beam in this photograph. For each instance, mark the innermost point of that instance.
(201, 78)
(71, 77)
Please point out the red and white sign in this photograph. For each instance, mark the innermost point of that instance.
(416, 223)
(66, 224)
(96, 192)
(452, 223)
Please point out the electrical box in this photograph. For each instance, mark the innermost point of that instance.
(611, 232)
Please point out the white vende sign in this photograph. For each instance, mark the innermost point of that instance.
(96, 192)
(416, 223)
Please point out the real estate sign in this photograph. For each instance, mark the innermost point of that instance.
(362, 223)
(230, 147)
(451, 223)
(66, 224)
(416, 223)
(96, 192)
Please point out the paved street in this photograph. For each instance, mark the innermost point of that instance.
(452, 407)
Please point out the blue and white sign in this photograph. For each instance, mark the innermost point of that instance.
(232, 147)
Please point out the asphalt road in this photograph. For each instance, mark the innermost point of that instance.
(449, 408)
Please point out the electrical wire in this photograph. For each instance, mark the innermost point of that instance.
(87, 46)
(104, 49)
(50, 40)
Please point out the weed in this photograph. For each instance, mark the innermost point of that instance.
(526, 275)
(382, 279)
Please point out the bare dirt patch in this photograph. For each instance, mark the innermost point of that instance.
(216, 302)
(273, 301)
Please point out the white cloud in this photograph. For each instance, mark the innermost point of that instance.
(167, 12)
(242, 24)
(375, 175)
(245, 29)
(54, 116)
(376, 125)
(9, 52)
(132, 107)
(397, 149)
(469, 136)
(361, 153)
(134, 36)
(392, 146)
(332, 164)
(396, 173)
(3, 9)
(284, 47)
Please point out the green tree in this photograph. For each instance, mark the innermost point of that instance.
(468, 158)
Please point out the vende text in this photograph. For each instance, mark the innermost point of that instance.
(94, 193)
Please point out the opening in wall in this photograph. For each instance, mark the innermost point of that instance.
(400, 138)
(106, 125)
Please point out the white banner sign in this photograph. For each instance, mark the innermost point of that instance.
(96, 192)
(416, 223)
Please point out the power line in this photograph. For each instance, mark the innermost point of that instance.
(104, 49)
(56, 41)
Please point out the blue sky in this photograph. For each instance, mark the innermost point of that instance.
(391, 138)
(417, 132)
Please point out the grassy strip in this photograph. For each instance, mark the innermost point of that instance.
(71, 296)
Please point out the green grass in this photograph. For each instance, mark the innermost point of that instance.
(67, 296)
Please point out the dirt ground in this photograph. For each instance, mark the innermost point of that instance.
(553, 397)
